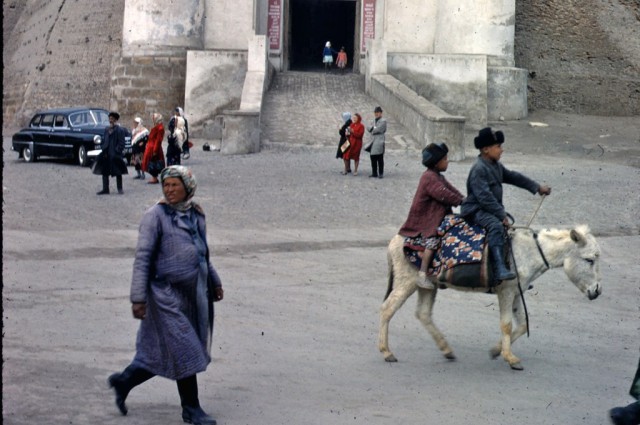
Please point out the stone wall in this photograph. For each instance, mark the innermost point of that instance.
(142, 85)
(57, 53)
(583, 56)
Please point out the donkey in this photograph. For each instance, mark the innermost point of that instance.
(534, 253)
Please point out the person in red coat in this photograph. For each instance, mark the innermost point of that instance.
(434, 199)
(355, 133)
(153, 160)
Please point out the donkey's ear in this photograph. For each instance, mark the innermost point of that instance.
(577, 237)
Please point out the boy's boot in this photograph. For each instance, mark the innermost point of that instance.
(501, 272)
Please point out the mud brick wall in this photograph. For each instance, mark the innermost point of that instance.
(142, 85)
(583, 56)
(57, 53)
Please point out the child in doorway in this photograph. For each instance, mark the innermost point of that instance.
(341, 60)
(483, 204)
(434, 199)
(327, 55)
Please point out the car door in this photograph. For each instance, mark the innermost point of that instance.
(59, 143)
(42, 135)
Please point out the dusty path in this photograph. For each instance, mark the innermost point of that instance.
(301, 250)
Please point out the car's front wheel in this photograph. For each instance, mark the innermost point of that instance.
(27, 154)
(83, 158)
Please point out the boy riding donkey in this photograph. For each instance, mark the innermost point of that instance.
(483, 204)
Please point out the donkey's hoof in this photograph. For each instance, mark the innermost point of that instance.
(450, 356)
(494, 353)
(516, 366)
(390, 359)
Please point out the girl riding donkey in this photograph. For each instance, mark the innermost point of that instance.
(433, 200)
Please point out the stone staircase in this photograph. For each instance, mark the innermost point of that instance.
(303, 110)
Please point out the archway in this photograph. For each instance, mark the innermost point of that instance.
(313, 23)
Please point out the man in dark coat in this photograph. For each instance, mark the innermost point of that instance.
(110, 161)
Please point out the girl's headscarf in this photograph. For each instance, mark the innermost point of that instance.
(328, 44)
(180, 111)
(346, 116)
(156, 118)
(189, 182)
(359, 117)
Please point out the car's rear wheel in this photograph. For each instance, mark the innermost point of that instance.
(27, 154)
(83, 158)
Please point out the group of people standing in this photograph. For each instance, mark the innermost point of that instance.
(350, 144)
(146, 146)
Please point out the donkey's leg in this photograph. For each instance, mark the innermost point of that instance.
(424, 310)
(394, 301)
(520, 328)
(520, 319)
(505, 301)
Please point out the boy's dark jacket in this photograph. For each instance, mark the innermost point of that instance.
(484, 187)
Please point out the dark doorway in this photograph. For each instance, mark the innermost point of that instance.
(313, 23)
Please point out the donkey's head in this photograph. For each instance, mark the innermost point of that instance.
(582, 264)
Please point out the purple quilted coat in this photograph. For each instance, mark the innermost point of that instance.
(170, 275)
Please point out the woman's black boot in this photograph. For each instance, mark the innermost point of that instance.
(124, 382)
(192, 413)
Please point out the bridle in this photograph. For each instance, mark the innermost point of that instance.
(515, 266)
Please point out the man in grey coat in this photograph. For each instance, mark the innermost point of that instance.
(377, 129)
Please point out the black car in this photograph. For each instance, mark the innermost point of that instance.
(65, 133)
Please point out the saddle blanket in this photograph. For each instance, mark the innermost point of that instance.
(459, 260)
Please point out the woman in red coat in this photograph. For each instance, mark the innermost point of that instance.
(153, 151)
(355, 132)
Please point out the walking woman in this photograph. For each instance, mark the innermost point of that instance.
(173, 289)
(153, 160)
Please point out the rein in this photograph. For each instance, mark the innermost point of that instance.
(544, 259)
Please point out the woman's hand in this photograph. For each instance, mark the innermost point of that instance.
(218, 293)
(139, 310)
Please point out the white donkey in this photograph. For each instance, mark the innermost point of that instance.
(577, 250)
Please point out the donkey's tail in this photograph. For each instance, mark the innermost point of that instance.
(390, 276)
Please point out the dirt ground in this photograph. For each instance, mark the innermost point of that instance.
(301, 251)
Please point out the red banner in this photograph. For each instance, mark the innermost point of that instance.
(368, 22)
(274, 24)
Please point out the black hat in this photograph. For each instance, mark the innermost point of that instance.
(433, 153)
(486, 137)
(114, 115)
(378, 109)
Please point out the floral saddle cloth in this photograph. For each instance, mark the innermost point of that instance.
(462, 258)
